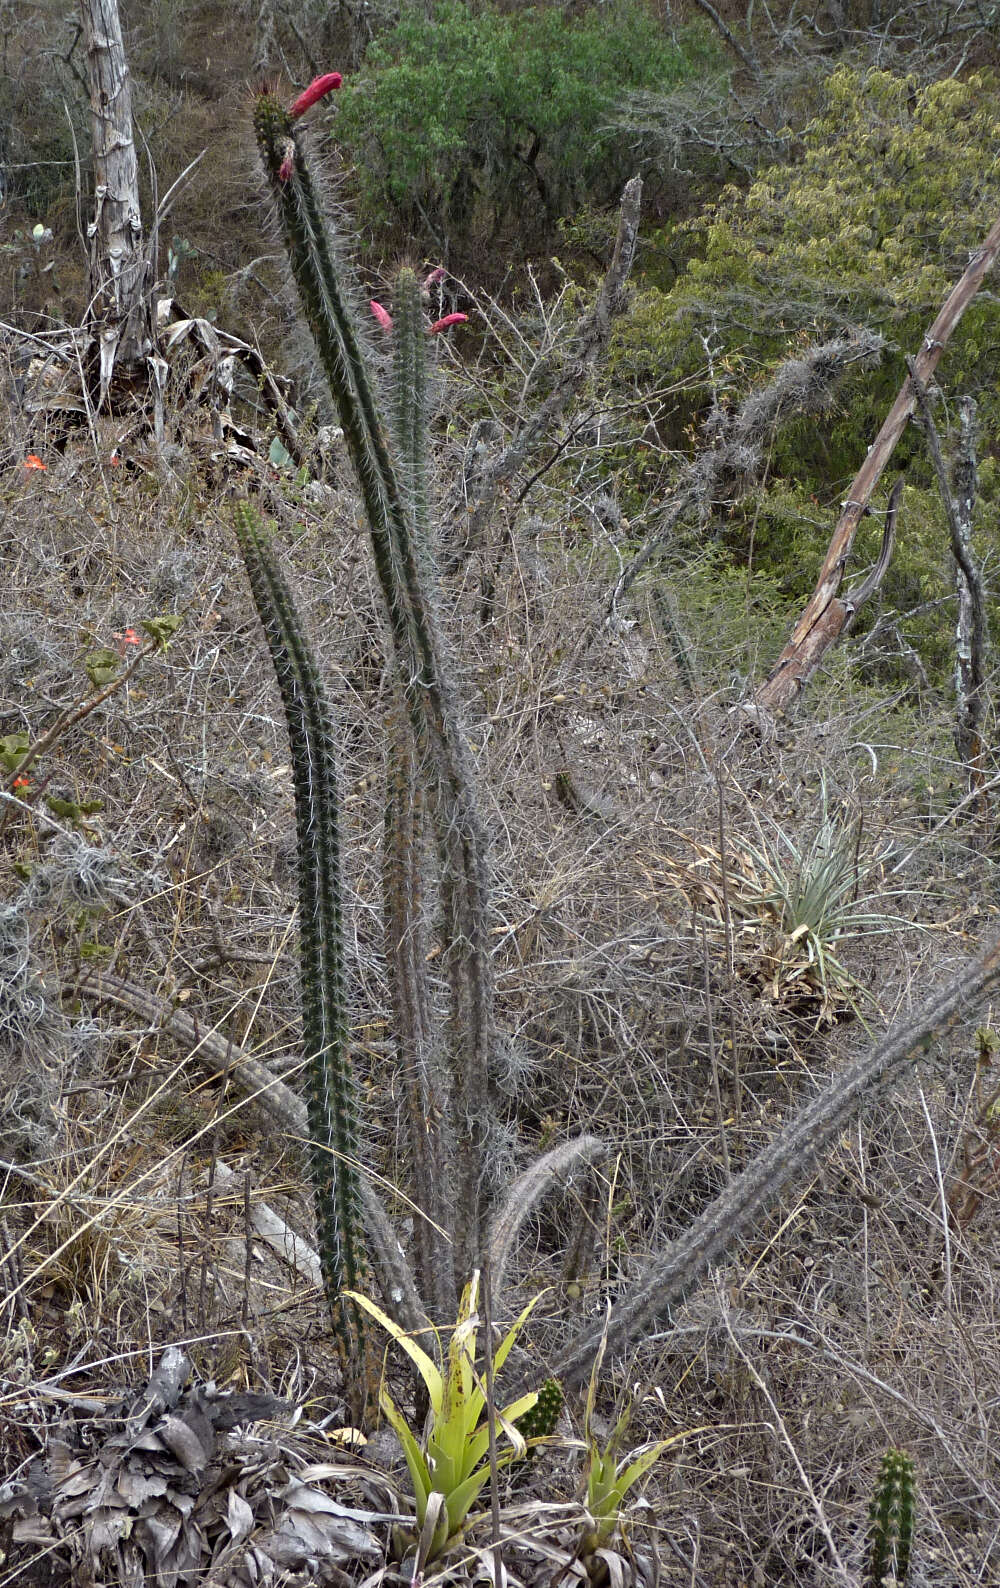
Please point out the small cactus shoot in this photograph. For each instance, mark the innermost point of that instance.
(890, 1517)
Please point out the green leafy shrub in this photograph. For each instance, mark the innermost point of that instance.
(465, 121)
(897, 184)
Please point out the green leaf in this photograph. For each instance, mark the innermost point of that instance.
(13, 747)
(427, 1369)
(420, 1474)
(162, 629)
(101, 666)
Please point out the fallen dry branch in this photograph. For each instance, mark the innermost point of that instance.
(826, 616)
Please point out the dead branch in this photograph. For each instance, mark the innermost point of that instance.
(589, 342)
(825, 617)
(972, 634)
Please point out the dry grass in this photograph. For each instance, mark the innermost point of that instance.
(636, 998)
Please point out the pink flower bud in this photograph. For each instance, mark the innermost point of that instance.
(318, 89)
(287, 165)
(442, 325)
(383, 316)
(435, 278)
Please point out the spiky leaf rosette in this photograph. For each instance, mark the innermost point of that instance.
(330, 1092)
(891, 1517)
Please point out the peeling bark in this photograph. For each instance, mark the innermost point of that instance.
(120, 311)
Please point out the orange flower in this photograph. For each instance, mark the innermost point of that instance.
(21, 782)
(33, 461)
(130, 637)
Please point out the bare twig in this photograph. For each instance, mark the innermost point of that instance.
(972, 634)
(589, 342)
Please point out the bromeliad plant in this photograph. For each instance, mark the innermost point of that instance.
(794, 906)
(450, 1471)
(609, 1478)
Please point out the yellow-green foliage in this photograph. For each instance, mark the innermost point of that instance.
(896, 186)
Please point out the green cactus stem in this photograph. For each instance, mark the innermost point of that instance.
(330, 1097)
(409, 402)
(891, 1517)
(540, 1421)
(393, 492)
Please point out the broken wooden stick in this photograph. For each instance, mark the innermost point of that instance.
(826, 616)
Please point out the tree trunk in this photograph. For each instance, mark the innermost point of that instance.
(120, 308)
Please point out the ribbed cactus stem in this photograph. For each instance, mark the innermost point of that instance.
(330, 1096)
(891, 1518)
(540, 1421)
(331, 319)
(398, 535)
(422, 1075)
(409, 399)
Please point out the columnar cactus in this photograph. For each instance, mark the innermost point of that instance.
(393, 490)
(330, 1095)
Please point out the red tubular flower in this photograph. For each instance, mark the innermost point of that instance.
(33, 461)
(318, 89)
(21, 782)
(435, 278)
(442, 325)
(287, 165)
(383, 316)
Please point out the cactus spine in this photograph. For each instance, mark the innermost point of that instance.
(394, 494)
(891, 1521)
(422, 1075)
(330, 1097)
(540, 1421)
